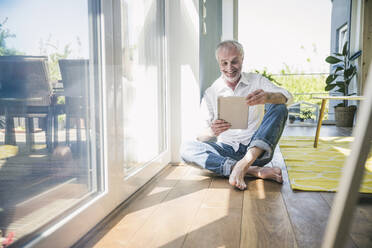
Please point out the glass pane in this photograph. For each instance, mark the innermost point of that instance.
(300, 46)
(143, 81)
(295, 59)
(48, 158)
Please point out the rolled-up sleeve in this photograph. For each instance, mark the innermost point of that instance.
(268, 86)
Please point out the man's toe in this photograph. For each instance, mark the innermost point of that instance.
(279, 178)
(241, 185)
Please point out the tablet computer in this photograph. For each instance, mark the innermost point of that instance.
(234, 110)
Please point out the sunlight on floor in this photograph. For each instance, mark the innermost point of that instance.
(7, 151)
(260, 189)
(184, 204)
(157, 190)
(37, 155)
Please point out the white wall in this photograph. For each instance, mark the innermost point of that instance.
(183, 70)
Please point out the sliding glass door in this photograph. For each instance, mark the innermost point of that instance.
(143, 82)
(141, 95)
(83, 113)
(50, 114)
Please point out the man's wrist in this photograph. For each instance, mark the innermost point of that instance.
(210, 132)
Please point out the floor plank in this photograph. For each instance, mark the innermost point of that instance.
(164, 220)
(190, 207)
(361, 227)
(217, 223)
(119, 228)
(221, 194)
(308, 212)
(215, 227)
(310, 131)
(168, 225)
(265, 222)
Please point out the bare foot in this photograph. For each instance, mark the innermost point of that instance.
(237, 174)
(241, 168)
(272, 173)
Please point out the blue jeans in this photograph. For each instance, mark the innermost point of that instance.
(220, 158)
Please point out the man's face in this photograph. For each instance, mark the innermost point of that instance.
(230, 62)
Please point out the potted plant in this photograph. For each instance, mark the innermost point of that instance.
(291, 118)
(341, 76)
(306, 114)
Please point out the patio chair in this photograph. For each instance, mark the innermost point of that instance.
(75, 79)
(25, 91)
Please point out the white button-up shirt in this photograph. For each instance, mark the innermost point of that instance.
(248, 83)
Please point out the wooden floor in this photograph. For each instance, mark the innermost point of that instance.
(185, 206)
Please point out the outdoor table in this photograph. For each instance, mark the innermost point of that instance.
(9, 122)
(322, 108)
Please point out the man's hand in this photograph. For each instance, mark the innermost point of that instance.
(219, 126)
(257, 97)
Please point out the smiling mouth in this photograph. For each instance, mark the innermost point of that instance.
(230, 74)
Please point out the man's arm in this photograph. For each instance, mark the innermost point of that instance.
(261, 97)
(275, 98)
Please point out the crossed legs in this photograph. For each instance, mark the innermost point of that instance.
(244, 167)
(223, 160)
(248, 159)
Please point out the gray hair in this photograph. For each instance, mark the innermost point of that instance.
(229, 44)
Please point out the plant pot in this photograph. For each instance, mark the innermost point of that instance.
(345, 116)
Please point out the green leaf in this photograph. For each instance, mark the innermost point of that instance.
(329, 87)
(330, 78)
(339, 68)
(332, 60)
(355, 55)
(341, 86)
(338, 54)
(349, 71)
(354, 70)
(353, 74)
(340, 90)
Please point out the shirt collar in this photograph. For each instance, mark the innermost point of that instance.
(243, 79)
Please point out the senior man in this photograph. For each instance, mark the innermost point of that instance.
(240, 152)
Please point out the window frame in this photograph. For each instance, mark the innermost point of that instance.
(114, 187)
